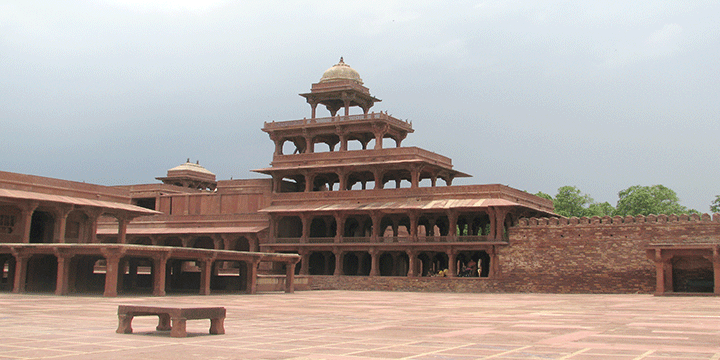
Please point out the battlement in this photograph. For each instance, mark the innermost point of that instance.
(619, 220)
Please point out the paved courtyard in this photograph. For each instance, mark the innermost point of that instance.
(371, 325)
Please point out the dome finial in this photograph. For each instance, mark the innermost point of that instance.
(341, 60)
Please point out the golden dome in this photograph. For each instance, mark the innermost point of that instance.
(341, 71)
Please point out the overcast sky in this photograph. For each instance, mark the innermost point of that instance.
(536, 95)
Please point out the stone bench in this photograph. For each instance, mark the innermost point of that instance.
(179, 317)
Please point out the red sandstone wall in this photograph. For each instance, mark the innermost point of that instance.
(562, 256)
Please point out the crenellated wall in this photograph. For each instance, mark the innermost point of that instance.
(560, 255)
(595, 255)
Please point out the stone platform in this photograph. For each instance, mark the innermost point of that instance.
(371, 325)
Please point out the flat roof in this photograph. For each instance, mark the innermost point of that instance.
(72, 200)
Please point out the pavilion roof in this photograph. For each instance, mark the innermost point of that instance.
(78, 201)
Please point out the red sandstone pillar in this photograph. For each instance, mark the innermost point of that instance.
(122, 229)
(112, 274)
(305, 218)
(159, 274)
(411, 263)
(304, 262)
(61, 214)
(205, 276)
(27, 211)
(63, 278)
(452, 219)
(290, 277)
(374, 262)
(252, 273)
(338, 263)
(21, 265)
(452, 259)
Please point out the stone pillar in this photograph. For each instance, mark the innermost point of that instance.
(21, 265)
(309, 181)
(415, 176)
(27, 211)
(112, 272)
(452, 260)
(338, 262)
(122, 229)
(412, 255)
(378, 178)
(290, 277)
(252, 274)
(376, 231)
(374, 262)
(343, 141)
(309, 145)
(205, 276)
(304, 262)
(716, 271)
(414, 217)
(452, 219)
(61, 214)
(340, 221)
(63, 271)
(159, 274)
(305, 219)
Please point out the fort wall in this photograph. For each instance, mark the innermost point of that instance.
(558, 255)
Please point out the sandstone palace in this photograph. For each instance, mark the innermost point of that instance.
(343, 206)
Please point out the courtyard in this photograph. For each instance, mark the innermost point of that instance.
(371, 325)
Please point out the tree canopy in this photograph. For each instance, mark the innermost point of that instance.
(635, 200)
(715, 206)
(646, 200)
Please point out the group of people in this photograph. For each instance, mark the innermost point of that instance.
(469, 269)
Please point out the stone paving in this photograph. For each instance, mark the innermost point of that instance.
(371, 325)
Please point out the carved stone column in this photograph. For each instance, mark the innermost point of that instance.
(61, 214)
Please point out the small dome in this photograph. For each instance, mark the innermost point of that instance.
(188, 166)
(341, 71)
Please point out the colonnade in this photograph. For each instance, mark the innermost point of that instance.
(411, 262)
(310, 180)
(69, 267)
(338, 227)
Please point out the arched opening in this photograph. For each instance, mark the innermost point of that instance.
(136, 275)
(289, 227)
(142, 240)
(361, 180)
(351, 264)
(473, 264)
(228, 277)
(172, 241)
(42, 227)
(325, 182)
(361, 141)
(41, 273)
(89, 275)
(204, 242)
(323, 227)
(291, 183)
(692, 274)
(294, 145)
(387, 265)
(242, 244)
(358, 227)
(321, 263)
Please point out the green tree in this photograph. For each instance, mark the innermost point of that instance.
(600, 209)
(543, 195)
(570, 201)
(646, 200)
(715, 206)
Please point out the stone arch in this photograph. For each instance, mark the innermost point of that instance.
(171, 241)
(323, 226)
(204, 242)
(289, 227)
(241, 244)
(141, 240)
(42, 227)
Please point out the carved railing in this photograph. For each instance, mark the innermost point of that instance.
(389, 239)
(339, 118)
(321, 240)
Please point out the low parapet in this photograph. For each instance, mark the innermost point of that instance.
(615, 220)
